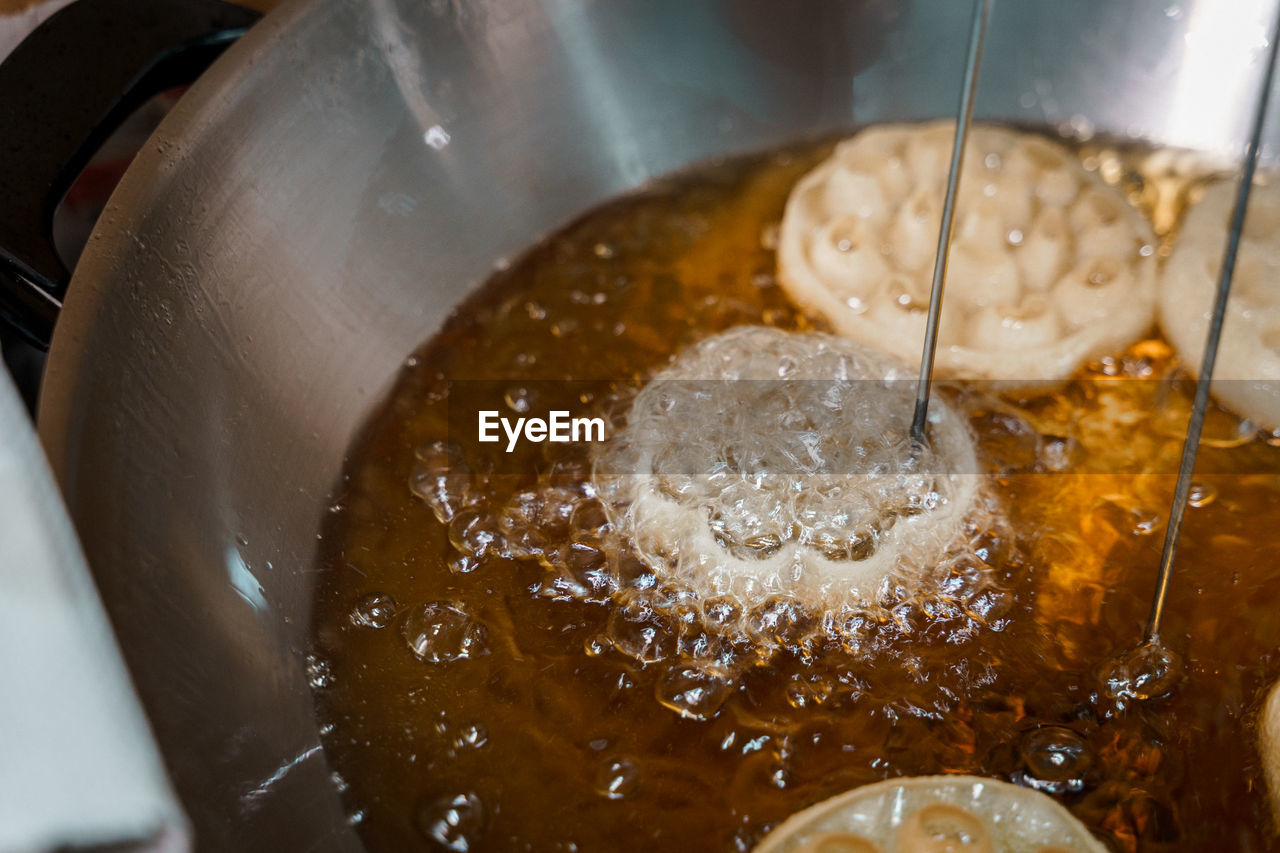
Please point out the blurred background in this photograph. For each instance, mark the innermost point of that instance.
(79, 211)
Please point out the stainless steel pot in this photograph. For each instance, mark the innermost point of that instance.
(348, 171)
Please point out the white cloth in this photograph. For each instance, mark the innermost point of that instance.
(77, 762)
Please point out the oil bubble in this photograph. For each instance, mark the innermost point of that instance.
(473, 736)
(988, 606)
(702, 646)
(780, 621)
(1145, 522)
(455, 823)
(1056, 453)
(570, 470)
(779, 776)
(637, 630)
(722, 611)
(564, 327)
(695, 693)
(1056, 758)
(443, 631)
(319, 672)
(632, 573)
(1201, 494)
(617, 778)
(589, 517)
(463, 564)
(586, 566)
(474, 532)
(520, 399)
(555, 512)
(441, 479)
(805, 692)
(375, 610)
(1145, 672)
(522, 537)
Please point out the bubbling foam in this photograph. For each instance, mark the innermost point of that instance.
(758, 495)
(769, 466)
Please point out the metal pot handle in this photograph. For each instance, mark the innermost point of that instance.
(63, 91)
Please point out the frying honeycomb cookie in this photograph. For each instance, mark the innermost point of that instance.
(1269, 747)
(1246, 376)
(1049, 266)
(765, 462)
(932, 814)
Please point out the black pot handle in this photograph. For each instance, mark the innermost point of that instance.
(63, 91)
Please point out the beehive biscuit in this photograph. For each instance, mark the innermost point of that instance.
(1269, 747)
(1246, 376)
(766, 462)
(1049, 266)
(932, 814)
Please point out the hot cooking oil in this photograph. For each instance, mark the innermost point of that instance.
(489, 691)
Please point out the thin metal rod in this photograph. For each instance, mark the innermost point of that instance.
(977, 35)
(1192, 443)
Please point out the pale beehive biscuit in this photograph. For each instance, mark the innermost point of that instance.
(766, 462)
(1269, 747)
(1049, 266)
(928, 814)
(1246, 376)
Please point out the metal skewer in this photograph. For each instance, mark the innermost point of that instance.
(1192, 443)
(977, 35)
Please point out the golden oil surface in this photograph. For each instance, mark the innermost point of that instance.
(553, 739)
